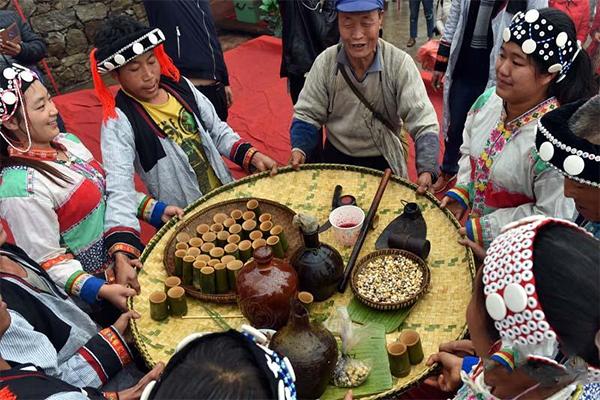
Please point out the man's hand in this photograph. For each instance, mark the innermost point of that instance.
(436, 80)
(478, 250)
(126, 271)
(171, 211)
(263, 162)
(116, 294)
(424, 181)
(449, 379)
(135, 392)
(297, 159)
(453, 206)
(460, 348)
(10, 48)
(229, 96)
(122, 323)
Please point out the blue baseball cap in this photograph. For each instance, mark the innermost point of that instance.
(351, 6)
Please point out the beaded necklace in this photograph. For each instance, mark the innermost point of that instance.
(500, 136)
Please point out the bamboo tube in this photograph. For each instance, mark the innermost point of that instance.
(193, 251)
(188, 265)
(196, 242)
(202, 229)
(255, 235)
(207, 280)
(235, 229)
(233, 269)
(181, 246)
(237, 216)
(254, 206)
(365, 229)
(177, 301)
(159, 309)
(221, 278)
(218, 218)
(278, 231)
(274, 243)
(265, 217)
(207, 247)
(232, 250)
(216, 228)
(228, 222)
(182, 237)
(179, 254)
(222, 238)
(247, 227)
(245, 248)
(209, 237)
(196, 276)
(234, 239)
(171, 281)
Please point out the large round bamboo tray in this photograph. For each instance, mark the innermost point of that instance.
(422, 265)
(282, 215)
(439, 316)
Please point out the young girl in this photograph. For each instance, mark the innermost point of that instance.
(534, 319)
(501, 179)
(52, 195)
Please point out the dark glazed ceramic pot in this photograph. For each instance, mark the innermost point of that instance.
(319, 266)
(311, 349)
(265, 287)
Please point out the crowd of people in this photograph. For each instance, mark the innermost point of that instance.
(521, 170)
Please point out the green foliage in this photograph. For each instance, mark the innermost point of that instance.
(269, 12)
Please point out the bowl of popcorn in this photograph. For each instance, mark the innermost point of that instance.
(390, 279)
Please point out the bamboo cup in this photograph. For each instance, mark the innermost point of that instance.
(233, 270)
(207, 247)
(264, 217)
(209, 237)
(228, 223)
(196, 277)
(247, 227)
(221, 278)
(177, 301)
(196, 242)
(254, 206)
(234, 239)
(181, 246)
(245, 248)
(235, 229)
(278, 231)
(193, 251)
(398, 358)
(218, 218)
(306, 298)
(216, 228)
(217, 252)
(207, 280)
(213, 262)
(222, 238)
(182, 237)
(203, 257)
(266, 227)
(412, 340)
(159, 309)
(179, 254)
(237, 216)
(258, 244)
(227, 258)
(232, 250)
(202, 229)
(171, 281)
(255, 235)
(188, 265)
(275, 244)
(249, 216)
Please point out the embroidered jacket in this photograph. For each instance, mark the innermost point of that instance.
(62, 227)
(134, 143)
(501, 178)
(49, 329)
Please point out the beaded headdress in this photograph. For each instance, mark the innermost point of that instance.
(511, 300)
(14, 80)
(279, 369)
(122, 51)
(537, 36)
(557, 145)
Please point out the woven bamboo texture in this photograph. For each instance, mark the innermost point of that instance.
(439, 316)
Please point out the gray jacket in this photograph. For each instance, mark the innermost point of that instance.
(172, 180)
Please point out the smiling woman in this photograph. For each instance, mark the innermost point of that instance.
(500, 177)
(52, 195)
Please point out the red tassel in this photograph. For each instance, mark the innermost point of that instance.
(107, 100)
(167, 67)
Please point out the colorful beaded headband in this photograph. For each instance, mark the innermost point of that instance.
(537, 35)
(572, 156)
(281, 367)
(131, 50)
(512, 302)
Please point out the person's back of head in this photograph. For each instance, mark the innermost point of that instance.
(584, 122)
(221, 366)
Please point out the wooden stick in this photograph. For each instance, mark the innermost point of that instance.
(365, 229)
(208, 316)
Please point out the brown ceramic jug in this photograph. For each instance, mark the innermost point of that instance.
(265, 287)
(319, 266)
(311, 349)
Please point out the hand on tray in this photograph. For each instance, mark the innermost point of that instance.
(262, 162)
(424, 182)
(477, 249)
(135, 392)
(170, 212)
(126, 271)
(454, 207)
(297, 159)
(448, 380)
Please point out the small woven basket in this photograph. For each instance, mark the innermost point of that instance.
(385, 254)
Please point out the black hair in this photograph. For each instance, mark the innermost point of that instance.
(216, 366)
(579, 82)
(116, 29)
(566, 266)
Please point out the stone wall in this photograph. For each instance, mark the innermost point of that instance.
(69, 26)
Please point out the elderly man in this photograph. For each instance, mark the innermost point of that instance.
(363, 91)
(568, 139)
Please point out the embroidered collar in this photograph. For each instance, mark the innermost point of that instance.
(38, 153)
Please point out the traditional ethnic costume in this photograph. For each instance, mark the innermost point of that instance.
(61, 223)
(568, 153)
(527, 340)
(47, 328)
(501, 178)
(175, 147)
